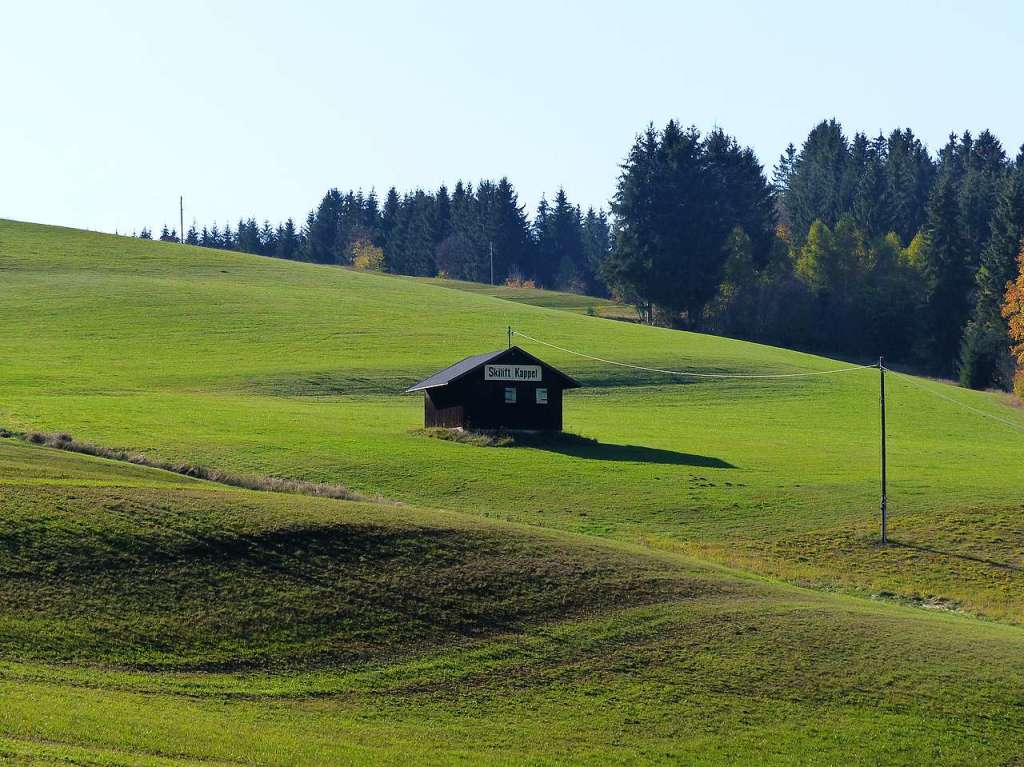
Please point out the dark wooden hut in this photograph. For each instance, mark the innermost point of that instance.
(508, 389)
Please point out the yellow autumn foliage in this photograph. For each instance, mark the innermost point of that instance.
(1013, 311)
(367, 257)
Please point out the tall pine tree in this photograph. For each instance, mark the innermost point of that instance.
(985, 360)
(947, 272)
(819, 187)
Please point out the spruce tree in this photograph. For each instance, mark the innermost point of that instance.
(561, 242)
(388, 222)
(872, 206)
(227, 238)
(321, 239)
(784, 170)
(985, 360)
(545, 257)
(287, 245)
(984, 169)
(819, 186)
(267, 239)
(442, 214)
(678, 199)
(780, 183)
(743, 197)
(248, 238)
(690, 246)
(462, 215)
(467, 226)
(371, 216)
(946, 271)
(348, 227)
(910, 173)
(597, 244)
(417, 250)
(857, 162)
(509, 229)
(629, 270)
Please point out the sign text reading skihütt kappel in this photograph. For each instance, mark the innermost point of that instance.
(512, 373)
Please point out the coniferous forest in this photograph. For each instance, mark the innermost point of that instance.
(853, 246)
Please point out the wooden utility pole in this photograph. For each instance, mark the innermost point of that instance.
(490, 250)
(885, 499)
(509, 336)
(181, 215)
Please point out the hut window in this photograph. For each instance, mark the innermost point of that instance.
(510, 395)
(542, 396)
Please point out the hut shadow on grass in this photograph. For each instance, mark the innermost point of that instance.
(581, 447)
(574, 445)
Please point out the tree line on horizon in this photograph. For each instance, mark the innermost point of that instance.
(479, 233)
(855, 246)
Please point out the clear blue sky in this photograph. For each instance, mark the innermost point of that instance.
(110, 110)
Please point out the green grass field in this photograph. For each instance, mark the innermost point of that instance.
(570, 302)
(153, 619)
(702, 587)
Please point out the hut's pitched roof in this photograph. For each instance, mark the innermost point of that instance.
(466, 366)
(450, 373)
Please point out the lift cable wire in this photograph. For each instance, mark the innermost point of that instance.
(874, 366)
(947, 398)
(691, 373)
(880, 366)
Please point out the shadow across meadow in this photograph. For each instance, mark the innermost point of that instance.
(606, 451)
(957, 555)
(573, 445)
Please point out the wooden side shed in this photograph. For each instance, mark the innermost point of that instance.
(508, 389)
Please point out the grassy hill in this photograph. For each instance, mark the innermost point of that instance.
(147, 618)
(637, 601)
(261, 366)
(270, 580)
(551, 299)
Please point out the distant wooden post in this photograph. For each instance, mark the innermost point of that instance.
(181, 222)
(885, 500)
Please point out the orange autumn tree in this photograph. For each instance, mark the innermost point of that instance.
(1013, 311)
